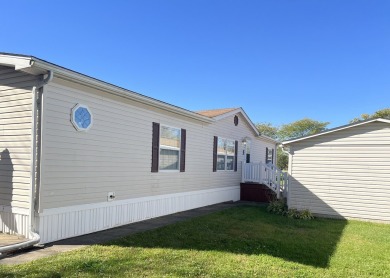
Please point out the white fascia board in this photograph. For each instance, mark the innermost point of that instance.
(336, 129)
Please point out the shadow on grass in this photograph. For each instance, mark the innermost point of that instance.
(248, 230)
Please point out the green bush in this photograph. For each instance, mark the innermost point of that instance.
(306, 214)
(293, 213)
(280, 207)
(277, 207)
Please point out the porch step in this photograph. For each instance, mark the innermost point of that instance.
(256, 192)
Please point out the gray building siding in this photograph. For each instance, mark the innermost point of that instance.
(344, 173)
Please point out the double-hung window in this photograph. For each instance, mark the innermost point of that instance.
(226, 152)
(169, 148)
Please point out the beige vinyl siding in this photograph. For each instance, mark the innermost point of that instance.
(344, 174)
(115, 154)
(225, 128)
(15, 137)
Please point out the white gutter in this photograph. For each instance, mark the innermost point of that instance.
(34, 237)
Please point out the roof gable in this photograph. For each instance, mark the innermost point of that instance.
(219, 114)
(215, 112)
(335, 130)
(222, 113)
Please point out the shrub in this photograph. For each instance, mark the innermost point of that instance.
(293, 213)
(306, 214)
(280, 207)
(277, 207)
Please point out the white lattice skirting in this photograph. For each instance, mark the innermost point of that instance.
(60, 223)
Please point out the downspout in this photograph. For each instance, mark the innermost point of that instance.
(34, 237)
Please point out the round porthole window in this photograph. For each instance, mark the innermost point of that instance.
(81, 117)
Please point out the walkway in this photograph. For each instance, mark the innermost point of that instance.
(53, 248)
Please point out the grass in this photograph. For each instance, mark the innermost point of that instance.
(245, 241)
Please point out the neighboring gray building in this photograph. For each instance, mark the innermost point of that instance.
(343, 172)
(79, 155)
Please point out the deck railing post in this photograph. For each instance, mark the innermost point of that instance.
(287, 184)
(278, 184)
(243, 171)
(260, 174)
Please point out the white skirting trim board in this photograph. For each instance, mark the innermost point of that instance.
(14, 221)
(59, 223)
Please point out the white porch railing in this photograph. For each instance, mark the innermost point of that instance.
(267, 174)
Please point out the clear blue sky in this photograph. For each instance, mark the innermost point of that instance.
(281, 60)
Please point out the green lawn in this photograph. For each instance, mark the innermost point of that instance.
(244, 241)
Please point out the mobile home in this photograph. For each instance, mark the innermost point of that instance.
(79, 155)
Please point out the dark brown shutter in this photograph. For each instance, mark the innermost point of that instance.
(266, 155)
(272, 156)
(155, 146)
(183, 150)
(215, 147)
(235, 155)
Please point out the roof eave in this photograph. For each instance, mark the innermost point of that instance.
(98, 84)
(269, 139)
(18, 62)
(334, 130)
(37, 66)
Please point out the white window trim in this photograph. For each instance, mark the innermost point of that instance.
(73, 116)
(226, 155)
(169, 148)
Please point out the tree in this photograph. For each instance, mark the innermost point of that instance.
(301, 128)
(296, 129)
(268, 130)
(282, 159)
(383, 113)
(271, 131)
